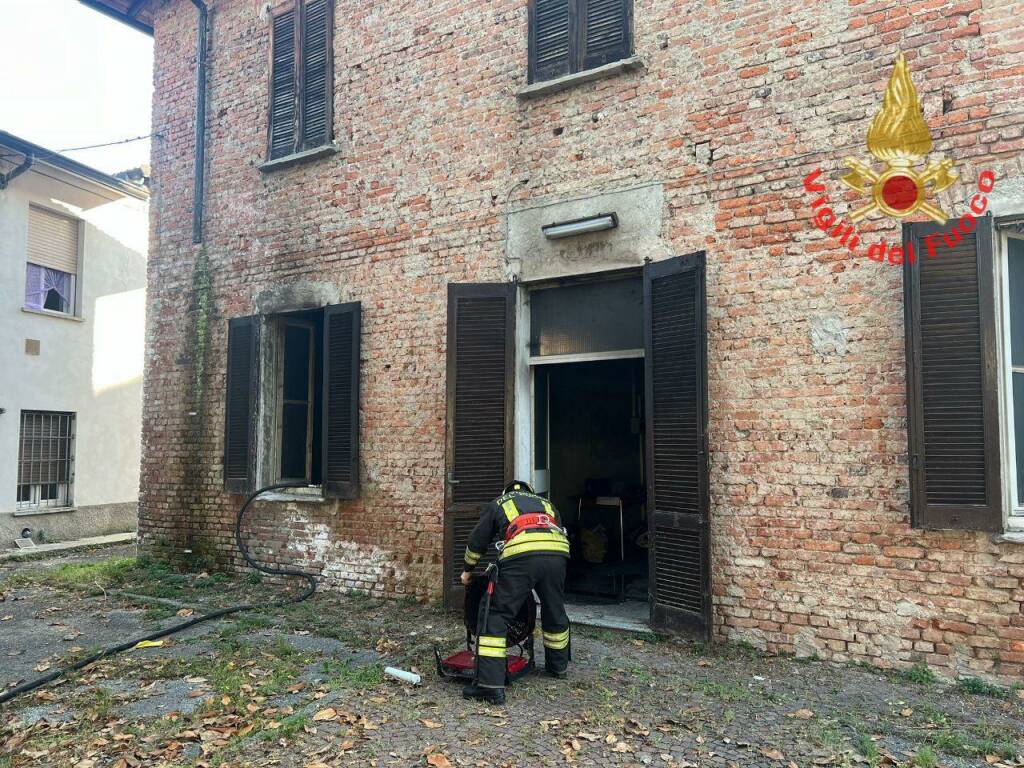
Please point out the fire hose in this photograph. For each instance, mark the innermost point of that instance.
(39, 682)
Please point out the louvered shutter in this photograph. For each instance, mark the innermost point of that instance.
(479, 439)
(52, 240)
(282, 86)
(342, 329)
(550, 48)
(952, 406)
(316, 73)
(240, 405)
(677, 472)
(606, 33)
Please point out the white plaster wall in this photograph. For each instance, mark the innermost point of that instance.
(91, 365)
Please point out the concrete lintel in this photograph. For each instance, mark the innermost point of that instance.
(299, 157)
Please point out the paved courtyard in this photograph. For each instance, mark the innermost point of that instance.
(303, 686)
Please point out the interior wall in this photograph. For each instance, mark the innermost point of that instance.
(591, 436)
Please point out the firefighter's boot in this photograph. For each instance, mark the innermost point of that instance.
(487, 695)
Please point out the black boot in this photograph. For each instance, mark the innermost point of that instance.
(488, 695)
(560, 674)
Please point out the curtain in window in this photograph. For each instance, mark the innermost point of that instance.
(40, 281)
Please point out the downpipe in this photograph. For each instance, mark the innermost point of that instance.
(202, 35)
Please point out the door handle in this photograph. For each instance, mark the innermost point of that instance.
(451, 479)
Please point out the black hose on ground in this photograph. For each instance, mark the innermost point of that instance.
(39, 682)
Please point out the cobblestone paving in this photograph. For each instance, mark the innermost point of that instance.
(301, 686)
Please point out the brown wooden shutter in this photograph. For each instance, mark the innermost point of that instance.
(316, 73)
(677, 470)
(606, 33)
(52, 240)
(481, 330)
(952, 379)
(550, 50)
(342, 330)
(240, 405)
(283, 115)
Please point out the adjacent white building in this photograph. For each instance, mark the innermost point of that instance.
(72, 327)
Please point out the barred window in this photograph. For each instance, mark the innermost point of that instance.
(46, 456)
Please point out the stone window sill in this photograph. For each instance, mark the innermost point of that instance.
(310, 498)
(1009, 537)
(51, 313)
(305, 156)
(533, 90)
(43, 511)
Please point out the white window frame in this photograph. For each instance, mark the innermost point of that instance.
(65, 491)
(1014, 511)
(75, 311)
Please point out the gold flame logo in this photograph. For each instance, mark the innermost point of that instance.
(899, 137)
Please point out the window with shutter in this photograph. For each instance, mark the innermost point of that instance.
(952, 380)
(240, 404)
(51, 272)
(301, 78)
(569, 36)
(341, 401)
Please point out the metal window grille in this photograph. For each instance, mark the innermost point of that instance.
(46, 456)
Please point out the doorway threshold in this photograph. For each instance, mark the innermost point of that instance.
(629, 616)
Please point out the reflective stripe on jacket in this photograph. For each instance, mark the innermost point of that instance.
(495, 520)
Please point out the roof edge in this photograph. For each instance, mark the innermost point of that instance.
(57, 160)
(124, 18)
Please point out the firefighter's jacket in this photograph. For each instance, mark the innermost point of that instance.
(495, 520)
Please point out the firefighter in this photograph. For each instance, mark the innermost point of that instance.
(533, 555)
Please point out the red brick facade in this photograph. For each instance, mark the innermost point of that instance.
(735, 103)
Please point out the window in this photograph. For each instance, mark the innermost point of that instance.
(569, 36)
(300, 416)
(52, 264)
(301, 78)
(1012, 279)
(46, 455)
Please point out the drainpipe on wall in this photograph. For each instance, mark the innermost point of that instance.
(200, 158)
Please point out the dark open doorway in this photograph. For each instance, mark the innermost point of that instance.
(594, 435)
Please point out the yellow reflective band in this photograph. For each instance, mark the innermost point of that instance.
(472, 557)
(510, 510)
(548, 508)
(496, 653)
(491, 645)
(556, 641)
(536, 541)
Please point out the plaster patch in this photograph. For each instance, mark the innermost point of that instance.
(346, 561)
(828, 336)
(302, 294)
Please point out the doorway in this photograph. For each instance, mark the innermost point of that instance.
(590, 433)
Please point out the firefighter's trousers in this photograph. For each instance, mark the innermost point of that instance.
(544, 573)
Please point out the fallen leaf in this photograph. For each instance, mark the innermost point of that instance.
(6, 618)
(703, 662)
(622, 747)
(906, 712)
(992, 759)
(432, 724)
(773, 754)
(802, 714)
(317, 764)
(325, 714)
(438, 760)
(588, 736)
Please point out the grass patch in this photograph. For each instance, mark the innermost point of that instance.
(920, 673)
(867, 748)
(91, 577)
(978, 687)
(723, 691)
(925, 758)
(975, 742)
(344, 674)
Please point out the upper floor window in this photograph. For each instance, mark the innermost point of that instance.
(569, 36)
(301, 78)
(51, 270)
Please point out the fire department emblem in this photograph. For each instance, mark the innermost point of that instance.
(899, 137)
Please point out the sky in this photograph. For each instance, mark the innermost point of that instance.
(71, 77)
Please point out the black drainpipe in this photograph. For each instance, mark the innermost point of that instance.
(200, 160)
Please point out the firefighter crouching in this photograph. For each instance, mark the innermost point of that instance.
(534, 551)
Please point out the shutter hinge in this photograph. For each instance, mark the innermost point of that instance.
(914, 463)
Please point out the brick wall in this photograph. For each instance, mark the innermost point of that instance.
(737, 102)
